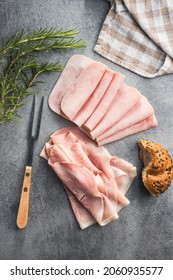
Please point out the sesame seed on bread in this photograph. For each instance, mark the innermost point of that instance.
(157, 173)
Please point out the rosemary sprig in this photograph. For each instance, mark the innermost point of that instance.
(19, 68)
(21, 40)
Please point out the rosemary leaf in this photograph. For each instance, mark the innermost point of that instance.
(19, 67)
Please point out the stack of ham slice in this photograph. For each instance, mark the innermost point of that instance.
(95, 181)
(96, 99)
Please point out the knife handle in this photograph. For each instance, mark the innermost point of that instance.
(22, 216)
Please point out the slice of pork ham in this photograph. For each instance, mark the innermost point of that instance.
(139, 112)
(98, 155)
(124, 100)
(124, 173)
(73, 150)
(83, 184)
(81, 90)
(105, 102)
(90, 105)
(138, 127)
(83, 216)
(71, 72)
(94, 194)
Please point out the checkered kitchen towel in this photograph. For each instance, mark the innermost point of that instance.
(138, 35)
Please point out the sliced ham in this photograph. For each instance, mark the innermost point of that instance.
(138, 127)
(99, 156)
(81, 90)
(83, 216)
(96, 99)
(105, 102)
(139, 112)
(96, 186)
(90, 105)
(75, 153)
(71, 72)
(124, 100)
(123, 168)
(79, 180)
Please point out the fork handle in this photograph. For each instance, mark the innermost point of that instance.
(22, 217)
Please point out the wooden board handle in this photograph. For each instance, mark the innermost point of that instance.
(22, 217)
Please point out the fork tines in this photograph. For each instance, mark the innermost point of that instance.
(30, 128)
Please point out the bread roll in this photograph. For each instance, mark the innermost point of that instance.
(158, 169)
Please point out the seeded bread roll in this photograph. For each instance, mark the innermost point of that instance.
(158, 169)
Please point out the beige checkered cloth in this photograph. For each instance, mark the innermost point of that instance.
(138, 35)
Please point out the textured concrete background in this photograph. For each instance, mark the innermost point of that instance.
(144, 230)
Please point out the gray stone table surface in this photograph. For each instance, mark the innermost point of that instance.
(144, 229)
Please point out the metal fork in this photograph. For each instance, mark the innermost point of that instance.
(22, 217)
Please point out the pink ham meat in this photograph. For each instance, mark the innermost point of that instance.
(99, 102)
(137, 127)
(90, 105)
(142, 110)
(96, 185)
(83, 216)
(71, 72)
(81, 90)
(125, 99)
(105, 102)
